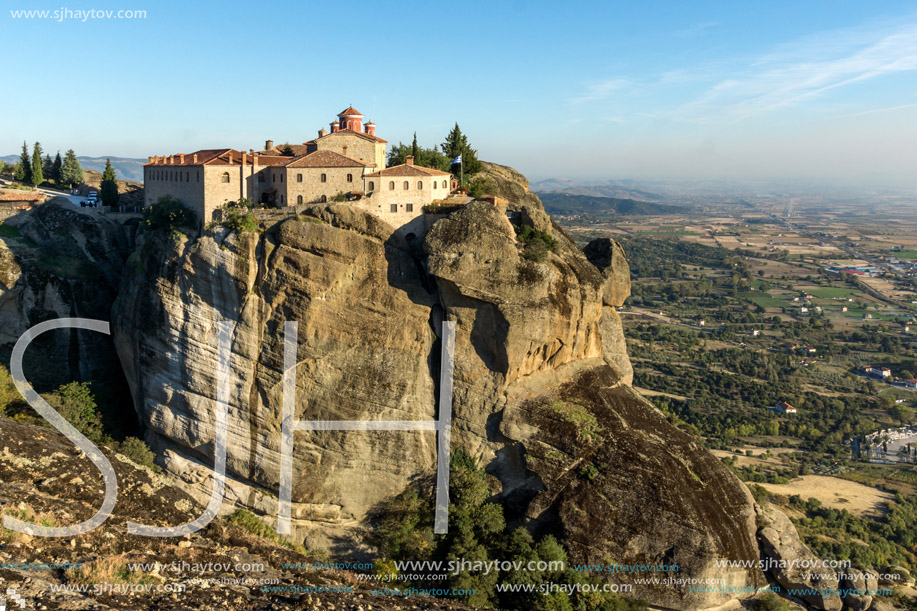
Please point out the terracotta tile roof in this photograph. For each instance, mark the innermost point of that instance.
(407, 170)
(350, 110)
(324, 159)
(350, 132)
(21, 197)
(203, 156)
(217, 157)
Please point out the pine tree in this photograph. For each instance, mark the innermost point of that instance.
(46, 164)
(71, 171)
(109, 185)
(56, 167)
(24, 171)
(37, 176)
(457, 144)
(18, 172)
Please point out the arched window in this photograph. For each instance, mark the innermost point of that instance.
(225, 177)
(281, 200)
(350, 178)
(187, 176)
(372, 185)
(435, 184)
(444, 184)
(299, 177)
(420, 185)
(281, 178)
(391, 185)
(198, 176)
(261, 177)
(324, 178)
(324, 198)
(407, 185)
(299, 199)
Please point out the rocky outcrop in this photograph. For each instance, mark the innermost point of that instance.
(60, 261)
(541, 393)
(792, 565)
(608, 257)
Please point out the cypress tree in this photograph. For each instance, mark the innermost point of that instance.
(415, 150)
(24, 171)
(56, 167)
(37, 176)
(109, 185)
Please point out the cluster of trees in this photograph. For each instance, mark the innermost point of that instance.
(478, 532)
(867, 542)
(38, 168)
(455, 144)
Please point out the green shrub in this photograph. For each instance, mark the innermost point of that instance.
(537, 243)
(8, 393)
(239, 217)
(75, 402)
(340, 197)
(168, 213)
(770, 602)
(137, 452)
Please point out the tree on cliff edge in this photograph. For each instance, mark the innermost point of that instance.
(109, 185)
(457, 144)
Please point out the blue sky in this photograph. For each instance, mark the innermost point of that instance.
(821, 91)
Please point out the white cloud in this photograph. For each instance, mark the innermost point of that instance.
(600, 90)
(810, 68)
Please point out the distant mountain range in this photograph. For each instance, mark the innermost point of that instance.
(620, 189)
(567, 203)
(126, 168)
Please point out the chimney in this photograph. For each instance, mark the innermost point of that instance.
(409, 160)
(181, 159)
(255, 159)
(345, 151)
(194, 158)
(322, 132)
(170, 159)
(334, 126)
(149, 160)
(244, 157)
(251, 152)
(268, 145)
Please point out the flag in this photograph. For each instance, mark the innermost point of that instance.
(457, 160)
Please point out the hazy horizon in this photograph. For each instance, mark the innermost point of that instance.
(821, 93)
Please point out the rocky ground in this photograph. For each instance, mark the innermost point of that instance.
(47, 480)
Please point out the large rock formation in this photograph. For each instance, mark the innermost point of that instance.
(541, 382)
(60, 261)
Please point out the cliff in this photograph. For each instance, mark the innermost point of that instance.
(541, 394)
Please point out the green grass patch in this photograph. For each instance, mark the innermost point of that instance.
(68, 267)
(8, 231)
(905, 254)
(576, 414)
(835, 292)
(764, 300)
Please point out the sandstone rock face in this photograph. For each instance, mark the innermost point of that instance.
(59, 261)
(792, 562)
(541, 393)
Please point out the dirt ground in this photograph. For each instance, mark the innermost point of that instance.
(837, 493)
